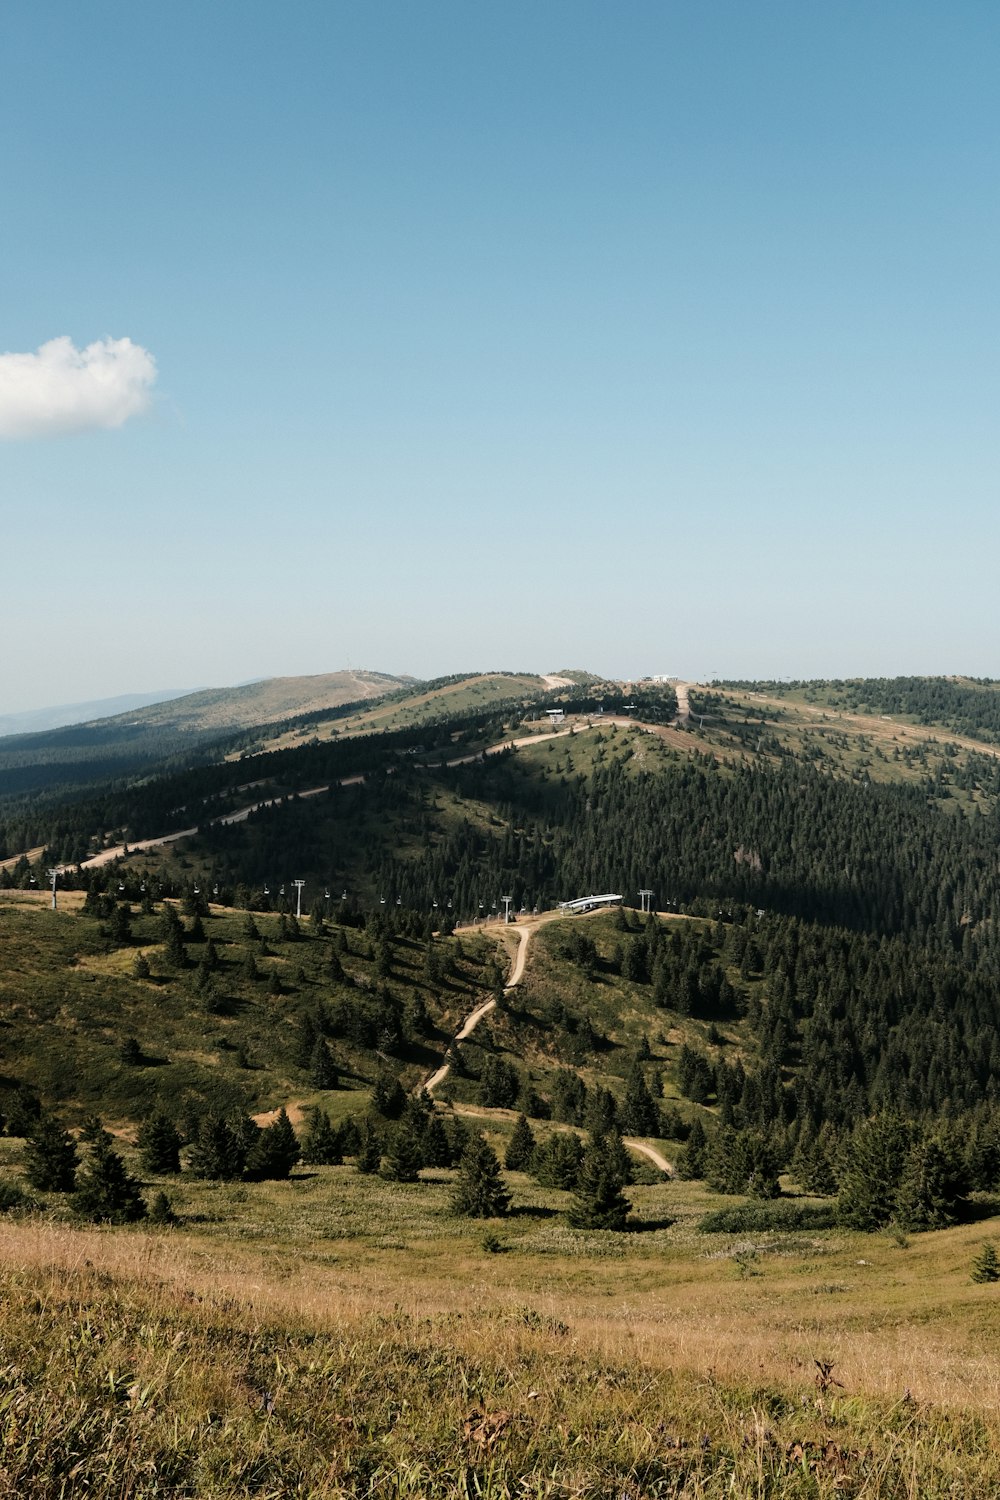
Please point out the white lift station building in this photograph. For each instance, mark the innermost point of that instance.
(589, 903)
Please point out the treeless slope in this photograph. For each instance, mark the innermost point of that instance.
(263, 702)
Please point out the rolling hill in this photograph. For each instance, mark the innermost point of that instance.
(172, 731)
(804, 1030)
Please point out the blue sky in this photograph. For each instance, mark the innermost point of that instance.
(638, 336)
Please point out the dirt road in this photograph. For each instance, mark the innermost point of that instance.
(522, 932)
(118, 851)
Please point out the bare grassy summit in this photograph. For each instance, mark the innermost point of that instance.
(263, 702)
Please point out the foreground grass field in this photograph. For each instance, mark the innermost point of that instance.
(339, 1335)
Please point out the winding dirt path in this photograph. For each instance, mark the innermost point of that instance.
(474, 1017)
(656, 1157)
(137, 846)
(524, 932)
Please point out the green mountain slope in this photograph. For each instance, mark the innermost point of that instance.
(178, 731)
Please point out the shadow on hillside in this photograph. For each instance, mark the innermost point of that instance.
(228, 1006)
(982, 1206)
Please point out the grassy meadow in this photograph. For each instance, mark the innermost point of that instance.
(339, 1335)
(342, 1335)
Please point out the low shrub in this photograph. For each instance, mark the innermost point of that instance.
(752, 1218)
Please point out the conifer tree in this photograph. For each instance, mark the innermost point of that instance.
(218, 1152)
(161, 1210)
(369, 1154)
(321, 1145)
(520, 1147)
(872, 1166)
(106, 1191)
(932, 1189)
(274, 1152)
(404, 1152)
(693, 1155)
(601, 1114)
(174, 950)
(639, 1114)
(813, 1166)
(50, 1157)
(349, 1136)
(388, 1096)
(160, 1145)
(479, 1190)
(557, 1163)
(322, 1068)
(986, 1266)
(120, 925)
(599, 1202)
(436, 1145)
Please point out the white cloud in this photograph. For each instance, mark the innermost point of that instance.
(65, 389)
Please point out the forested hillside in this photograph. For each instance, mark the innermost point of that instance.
(963, 705)
(835, 882)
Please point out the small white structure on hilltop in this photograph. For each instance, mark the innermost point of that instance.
(662, 678)
(589, 903)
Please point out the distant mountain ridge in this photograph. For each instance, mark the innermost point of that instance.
(59, 716)
(80, 754)
(263, 702)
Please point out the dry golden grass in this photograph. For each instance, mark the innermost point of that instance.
(402, 1358)
(891, 1318)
